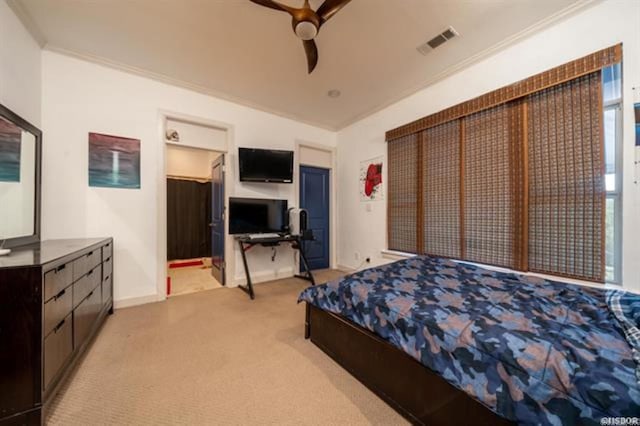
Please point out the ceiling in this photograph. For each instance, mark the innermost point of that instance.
(242, 52)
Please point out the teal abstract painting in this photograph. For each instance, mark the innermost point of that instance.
(10, 137)
(114, 162)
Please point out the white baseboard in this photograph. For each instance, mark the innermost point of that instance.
(345, 268)
(256, 277)
(135, 301)
(263, 276)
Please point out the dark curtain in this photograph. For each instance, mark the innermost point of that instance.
(188, 218)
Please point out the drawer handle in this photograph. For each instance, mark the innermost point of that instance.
(90, 272)
(59, 295)
(59, 326)
(90, 254)
(60, 268)
(90, 294)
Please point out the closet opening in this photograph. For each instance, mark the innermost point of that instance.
(195, 219)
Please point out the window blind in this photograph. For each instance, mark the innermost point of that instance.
(402, 199)
(441, 177)
(513, 178)
(566, 175)
(493, 188)
(553, 77)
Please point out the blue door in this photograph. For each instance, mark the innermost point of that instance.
(314, 197)
(217, 220)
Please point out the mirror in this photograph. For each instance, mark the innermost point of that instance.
(19, 180)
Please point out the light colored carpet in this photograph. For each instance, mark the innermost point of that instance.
(191, 279)
(215, 357)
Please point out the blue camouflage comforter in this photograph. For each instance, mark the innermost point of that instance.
(534, 351)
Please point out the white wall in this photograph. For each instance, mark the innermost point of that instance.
(184, 161)
(204, 137)
(603, 25)
(311, 156)
(79, 97)
(19, 67)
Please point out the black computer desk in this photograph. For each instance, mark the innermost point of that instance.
(247, 243)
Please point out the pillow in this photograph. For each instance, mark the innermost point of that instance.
(626, 308)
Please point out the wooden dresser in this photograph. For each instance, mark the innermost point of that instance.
(54, 296)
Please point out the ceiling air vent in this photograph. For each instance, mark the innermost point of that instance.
(438, 40)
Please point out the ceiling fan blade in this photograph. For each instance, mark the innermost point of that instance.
(330, 8)
(271, 4)
(311, 50)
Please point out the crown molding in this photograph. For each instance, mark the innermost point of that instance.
(162, 78)
(27, 21)
(454, 69)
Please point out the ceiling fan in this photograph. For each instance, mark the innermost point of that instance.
(307, 22)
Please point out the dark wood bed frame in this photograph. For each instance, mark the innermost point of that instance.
(414, 391)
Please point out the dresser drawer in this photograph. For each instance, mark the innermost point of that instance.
(57, 280)
(107, 268)
(57, 348)
(86, 263)
(86, 284)
(107, 251)
(57, 308)
(85, 316)
(107, 290)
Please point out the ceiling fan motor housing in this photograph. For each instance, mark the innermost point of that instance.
(306, 30)
(305, 24)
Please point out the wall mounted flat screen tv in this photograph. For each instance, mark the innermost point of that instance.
(257, 216)
(265, 165)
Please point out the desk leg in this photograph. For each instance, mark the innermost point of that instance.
(249, 287)
(307, 276)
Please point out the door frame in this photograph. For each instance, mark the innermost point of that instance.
(161, 256)
(333, 196)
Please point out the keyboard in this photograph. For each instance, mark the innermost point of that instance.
(263, 236)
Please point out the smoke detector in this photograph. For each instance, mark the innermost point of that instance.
(438, 40)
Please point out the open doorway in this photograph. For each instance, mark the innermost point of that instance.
(195, 219)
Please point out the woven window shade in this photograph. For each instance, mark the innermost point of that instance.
(402, 187)
(512, 178)
(555, 76)
(441, 197)
(493, 186)
(566, 175)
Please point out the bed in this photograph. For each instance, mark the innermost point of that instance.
(443, 342)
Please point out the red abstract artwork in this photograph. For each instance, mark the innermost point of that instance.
(371, 180)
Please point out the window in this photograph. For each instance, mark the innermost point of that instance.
(402, 188)
(493, 186)
(441, 217)
(612, 103)
(527, 176)
(566, 181)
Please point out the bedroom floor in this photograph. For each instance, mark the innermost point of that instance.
(191, 279)
(215, 358)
